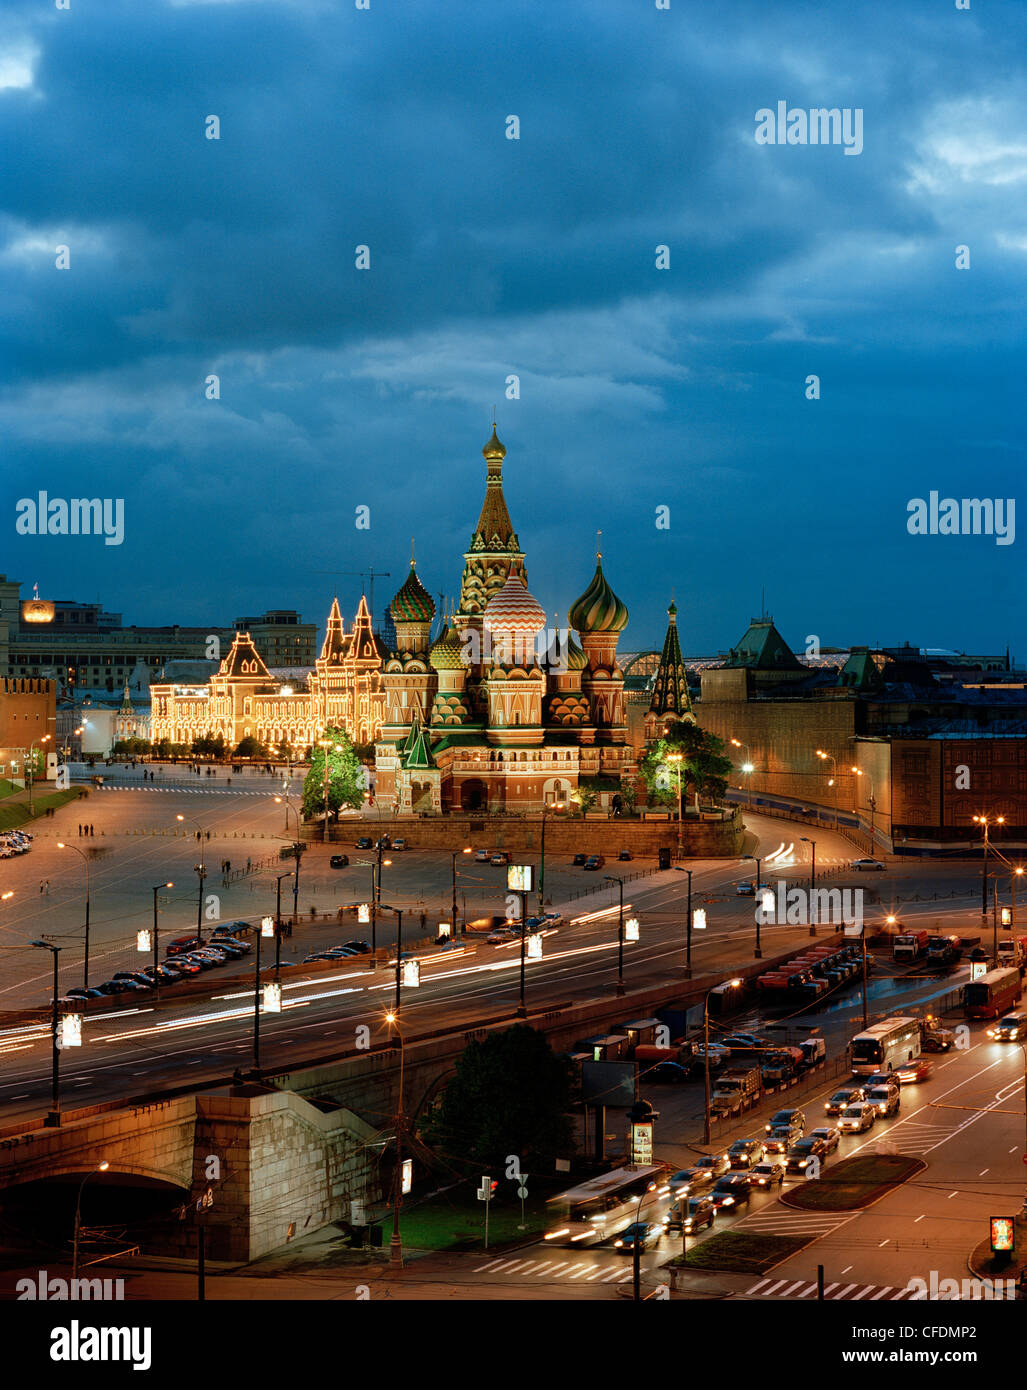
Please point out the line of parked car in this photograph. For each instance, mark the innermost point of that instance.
(348, 948)
(14, 842)
(186, 956)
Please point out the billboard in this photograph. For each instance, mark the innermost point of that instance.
(608, 1083)
(520, 878)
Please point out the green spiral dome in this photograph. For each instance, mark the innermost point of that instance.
(598, 609)
(413, 603)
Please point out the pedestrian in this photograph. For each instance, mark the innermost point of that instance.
(229, 781)
(80, 832)
(40, 887)
(47, 887)
(228, 866)
(248, 863)
(91, 830)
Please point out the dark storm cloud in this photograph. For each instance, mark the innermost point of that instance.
(536, 257)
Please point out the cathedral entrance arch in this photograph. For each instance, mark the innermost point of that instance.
(474, 795)
(420, 796)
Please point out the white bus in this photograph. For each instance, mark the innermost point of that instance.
(603, 1206)
(887, 1045)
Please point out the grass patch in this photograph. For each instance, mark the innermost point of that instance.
(449, 1221)
(13, 816)
(744, 1254)
(7, 788)
(853, 1183)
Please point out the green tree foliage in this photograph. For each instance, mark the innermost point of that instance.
(249, 747)
(510, 1094)
(704, 768)
(209, 747)
(345, 776)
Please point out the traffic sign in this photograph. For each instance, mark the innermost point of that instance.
(522, 1192)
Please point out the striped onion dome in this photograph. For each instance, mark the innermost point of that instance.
(514, 610)
(598, 609)
(576, 658)
(413, 603)
(446, 652)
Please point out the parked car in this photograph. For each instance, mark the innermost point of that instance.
(133, 977)
(117, 987)
(500, 937)
(802, 1152)
(731, 1191)
(718, 1053)
(691, 1214)
(579, 860)
(184, 965)
(828, 1136)
(624, 856)
(232, 929)
(767, 1174)
(365, 842)
(594, 861)
(639, 1235)
(181, 944)
(362, 948)
(668, 1072)
(243, 947)
(499, 856)
(164, 974)
(746, 1153)
(399, 843)
(917, 1070)
(743, 1042)
(865, 864)
(783, 1129)
(481, 856)
(848, 1095)
(80, 992)
(339, 861)
(746, 889)
(855, 1119)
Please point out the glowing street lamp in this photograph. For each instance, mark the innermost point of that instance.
(731, 984)
(85, 859)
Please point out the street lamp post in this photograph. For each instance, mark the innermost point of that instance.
(278, 918)
(522, 1009)
(747, 768)
(101, 1167)
(758, 953)
(555, 806)
(985, 822)
(612, 878)
(53, 1119)
(399, 954)
(812, 876)
(85, 859)
(396, 1243)
(30, 768)
(463, 930)
(156, 963)
(871, 802)
(688, 925)
(706, 1058)
(201, 872)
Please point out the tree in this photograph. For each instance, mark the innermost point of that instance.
(345, 776)
(584, 798)
(703, 767)
(510, 1094)
(249, 747)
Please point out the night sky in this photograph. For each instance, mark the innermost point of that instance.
(641, 388)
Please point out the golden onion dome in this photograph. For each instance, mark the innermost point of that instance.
(446, 653)
(493, 449)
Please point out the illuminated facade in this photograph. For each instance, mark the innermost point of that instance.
(243, 699)
(498, 714)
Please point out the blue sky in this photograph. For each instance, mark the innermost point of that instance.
(639, 388)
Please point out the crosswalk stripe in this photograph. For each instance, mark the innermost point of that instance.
(792, 1287)
(567, 1273)
(902, 1293)
(542, 1268)
(881, 1293)
(775, 1285)
(862, 1293)
(507, 1265)
(806, 1292)
(626, 1276)
(755, 1288)
(562, 1265)
(615, 1275)
(587, 1270)
(828, 1289)
(491, 1265)
(848, 1289)
(598, 1274)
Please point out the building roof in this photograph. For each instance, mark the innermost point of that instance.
(598, 609)
(494, 530)
(762, 648)
(413, 603)
(335, 645)
(244, 661)
(670, 684)
(514, 609)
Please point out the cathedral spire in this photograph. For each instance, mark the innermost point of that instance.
(670, 688)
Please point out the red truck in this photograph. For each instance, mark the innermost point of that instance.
(910, 945)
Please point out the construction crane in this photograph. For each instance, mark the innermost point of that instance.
(371, 574)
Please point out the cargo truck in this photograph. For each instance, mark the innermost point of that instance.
(910, 945)
(736, 1090)
(943, 950)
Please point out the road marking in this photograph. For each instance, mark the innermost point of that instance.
(883, 1244)
(881, 1293)
(615, 1275)
(586, 1270)
(846, 1269)
(983, 1171)
(847, 1290)
(792, 1287)
(919, 1218)
(491, 1265)
(775, 1285)
(952, 1194)
(755, 1288)
(507, 1265)
(24, 1097)
(1013, 1149)
(862, 1293)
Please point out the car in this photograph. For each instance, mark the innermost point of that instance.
(180, 944)
(746, 889)
(745, 1153)
(938, 1040)
(716, 1164)
(164, 974)
(802, 1153)
(1009, 1028)
(731, 1191)
(691, 1214)
(866, 864)
(218, 953)
(691, 1180)
(340, 952)
(499, 856)
(231, 949)
(917, 1070)
(399, 843)
(481, 856)
(132, 977)
(500, 937)
(767, 1174)
(365, 842)
(185, 965)
(243, 947)
(594, 861)
(313, 957)
(80, 992)
(884, 1099)
(235, 930)
(383, 842)
(361, 948)
(783, 1128)
(670, 1073)
(339, 861)
(579, 860)
(829, 1137)
(857, 1118)
(718, 1053)
(624, 856)
(116, 987)
(878, 1078)
(639, 1235)
(743, 1042)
